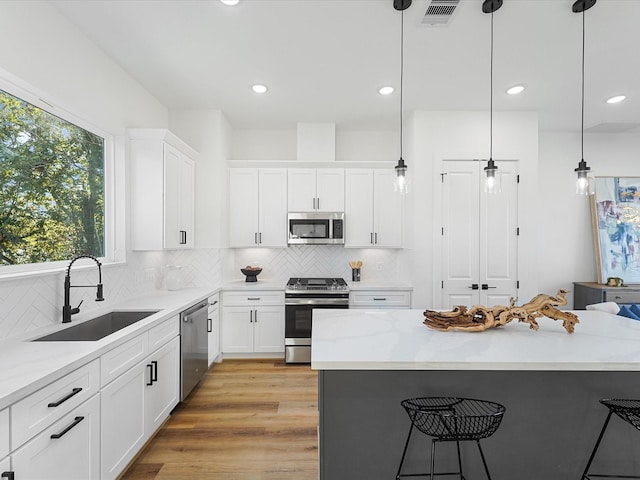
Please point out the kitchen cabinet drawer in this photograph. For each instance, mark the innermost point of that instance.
(380, 299)
(4, 434)
(253, 297)
(122, 358)
(39, 410)
(161, 334)
(67, 450)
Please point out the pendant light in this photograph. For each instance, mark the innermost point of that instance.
(492, 180)
(401, 184)
(583, 182)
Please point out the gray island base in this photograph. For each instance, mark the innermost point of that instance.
(549, 381)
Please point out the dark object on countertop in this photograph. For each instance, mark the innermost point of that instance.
(67, 311)
(251, 273)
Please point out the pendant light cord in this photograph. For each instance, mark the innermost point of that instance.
(582, 98)
(491, 96)
(401, 72)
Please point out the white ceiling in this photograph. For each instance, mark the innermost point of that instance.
(324, 60)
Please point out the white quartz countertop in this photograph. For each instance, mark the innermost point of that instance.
(373, 285)
(261, 284)
(398, 340)
(28, 366)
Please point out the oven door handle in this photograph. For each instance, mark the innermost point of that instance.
(316, 301)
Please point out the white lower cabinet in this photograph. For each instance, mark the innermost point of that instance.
(253, 329)
(162, 391)
(122, 418)
(67, 449)
(136, 403)
(213, 329)
(253, 322)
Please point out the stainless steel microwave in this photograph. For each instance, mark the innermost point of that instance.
(316, 228)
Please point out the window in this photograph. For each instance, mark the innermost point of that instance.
(52, 186)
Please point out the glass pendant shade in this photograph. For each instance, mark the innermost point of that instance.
(401, 184)
(493, 178)
(583, 180)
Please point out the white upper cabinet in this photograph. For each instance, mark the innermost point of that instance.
(257, 207)
(162, 190)
(374, 212)
(316, 190)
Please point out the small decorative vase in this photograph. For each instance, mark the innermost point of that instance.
(173, 277)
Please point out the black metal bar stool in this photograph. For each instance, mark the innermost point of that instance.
(450, 419)
(627, 410)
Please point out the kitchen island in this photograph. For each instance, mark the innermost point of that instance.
(549, 381)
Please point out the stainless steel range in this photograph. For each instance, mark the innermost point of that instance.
(301, 296)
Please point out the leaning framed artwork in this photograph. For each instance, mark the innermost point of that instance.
(616, 228)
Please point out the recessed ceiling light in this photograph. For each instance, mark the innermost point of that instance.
(616, 99)
(386, 90)
(516, 89)
(230, 2)
(259, 88)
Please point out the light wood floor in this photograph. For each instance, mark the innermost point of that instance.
(247, 420)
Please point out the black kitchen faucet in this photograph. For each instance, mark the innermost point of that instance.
(67, 311)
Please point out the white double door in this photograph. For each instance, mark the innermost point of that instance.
(479, 235)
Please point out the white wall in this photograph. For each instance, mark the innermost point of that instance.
(565, 237)
(281, 145)
(41, 47)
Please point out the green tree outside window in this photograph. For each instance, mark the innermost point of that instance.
(51, 186)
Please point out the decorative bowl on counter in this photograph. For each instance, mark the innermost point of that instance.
(251, 273)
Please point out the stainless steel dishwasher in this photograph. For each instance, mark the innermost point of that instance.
(193, 346)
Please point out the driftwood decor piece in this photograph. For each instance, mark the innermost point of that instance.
(480, 318)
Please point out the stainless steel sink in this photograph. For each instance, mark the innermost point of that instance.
(96, 328)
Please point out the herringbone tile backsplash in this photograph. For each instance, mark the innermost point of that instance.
(35, 301)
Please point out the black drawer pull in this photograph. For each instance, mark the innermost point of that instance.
(8, 475)
(209, 325)
(75, 391)
(253, 298)
(381, 298)
(76, 421)
(150, 367)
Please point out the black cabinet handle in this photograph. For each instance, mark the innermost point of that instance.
(75, 422)
(75, 391)
(255, 238)
(486, 286)
(255, 316)
(8, 475)
(253, 298)
(376, 237)
(209, 325)
(250, 316)
(215, 302)
(474, 286)
(371, 238)
(381, 298)
(183, 237)
(154, 378)
(150, 367)
(260, 238)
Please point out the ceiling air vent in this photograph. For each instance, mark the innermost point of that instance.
(439, 13)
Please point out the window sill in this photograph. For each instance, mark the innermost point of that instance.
(52, 270)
